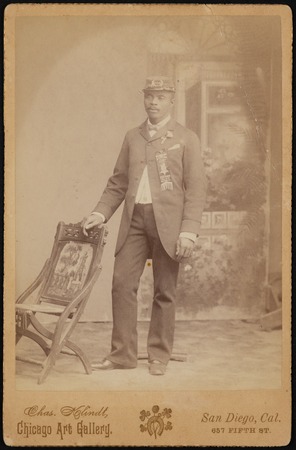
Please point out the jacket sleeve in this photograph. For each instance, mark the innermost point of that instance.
(115, 190)
(195, 185)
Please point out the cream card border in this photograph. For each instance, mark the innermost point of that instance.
(124, 407)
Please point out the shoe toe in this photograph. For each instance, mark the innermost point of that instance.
(157, 368)
(104, 365)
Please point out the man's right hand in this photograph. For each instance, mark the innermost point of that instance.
(91, 221)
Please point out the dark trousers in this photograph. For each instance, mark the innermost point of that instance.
(143, 241)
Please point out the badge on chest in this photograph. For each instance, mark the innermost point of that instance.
(164, 171)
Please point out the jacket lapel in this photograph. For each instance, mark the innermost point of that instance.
(144, 131)
(170, 126)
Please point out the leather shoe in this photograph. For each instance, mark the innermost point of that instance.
(157, 368)
(107, 365)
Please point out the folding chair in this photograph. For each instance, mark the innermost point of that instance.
(64, 286)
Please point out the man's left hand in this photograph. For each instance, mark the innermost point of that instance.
(184, 248)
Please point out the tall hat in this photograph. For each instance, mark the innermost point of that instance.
(159, 83)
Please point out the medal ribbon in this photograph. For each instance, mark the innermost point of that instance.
(163, 171)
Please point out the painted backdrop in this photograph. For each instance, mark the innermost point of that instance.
(77, 93)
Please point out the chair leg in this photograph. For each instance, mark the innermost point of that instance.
(78, 352)
(59, 340)
(47, 365)
(18, 338)
(38, 339)
(41, 328)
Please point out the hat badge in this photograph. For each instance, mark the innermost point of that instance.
(157, 83)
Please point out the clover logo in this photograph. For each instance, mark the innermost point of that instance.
(154, 422)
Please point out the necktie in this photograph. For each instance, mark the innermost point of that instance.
(152, 127)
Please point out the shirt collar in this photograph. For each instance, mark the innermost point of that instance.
(160, 124)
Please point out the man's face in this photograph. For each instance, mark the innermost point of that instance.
(158, 104)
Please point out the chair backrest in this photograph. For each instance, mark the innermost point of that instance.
(74, 259)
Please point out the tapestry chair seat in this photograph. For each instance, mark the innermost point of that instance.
(61, 291)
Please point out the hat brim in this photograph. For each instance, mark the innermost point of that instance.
(157, 90)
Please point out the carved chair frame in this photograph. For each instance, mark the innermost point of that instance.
(61, 289)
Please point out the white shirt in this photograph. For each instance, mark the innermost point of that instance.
(143, 195)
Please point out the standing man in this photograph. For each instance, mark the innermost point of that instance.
(159, 173)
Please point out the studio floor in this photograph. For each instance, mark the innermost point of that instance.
(221, 354)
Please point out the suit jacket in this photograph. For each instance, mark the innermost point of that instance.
(175, 210)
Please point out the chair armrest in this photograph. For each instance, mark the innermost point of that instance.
(34, 285)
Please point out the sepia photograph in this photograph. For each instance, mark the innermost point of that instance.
(147, 200)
